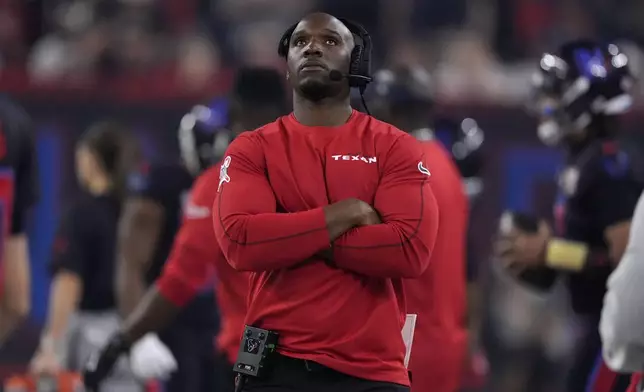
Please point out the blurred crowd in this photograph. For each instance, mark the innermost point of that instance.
(476, 49)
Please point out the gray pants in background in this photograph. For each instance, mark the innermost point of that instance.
(89, 332)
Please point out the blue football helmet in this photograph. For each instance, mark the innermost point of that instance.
(578, 84)
(464, 140)
(203, 135)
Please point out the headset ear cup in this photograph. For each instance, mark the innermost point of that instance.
(356, 59)
(354, 67)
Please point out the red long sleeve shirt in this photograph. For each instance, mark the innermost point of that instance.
(268, 219)
(438, 297)
(195, 254)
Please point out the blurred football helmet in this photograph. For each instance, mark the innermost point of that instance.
(463, 140)
(403, 89)
(404, 85)
(407, 88)
(203, 135)
(573, 87)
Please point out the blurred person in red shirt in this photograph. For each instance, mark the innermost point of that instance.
(258, 97)
(403, 97)
(636, 379)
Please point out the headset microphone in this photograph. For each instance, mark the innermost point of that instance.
(337, 76)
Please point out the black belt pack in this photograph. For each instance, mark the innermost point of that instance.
(257, 347)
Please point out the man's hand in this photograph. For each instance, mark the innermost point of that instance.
(347, 214)
(45, 362)
(355, 213)
(100, 363)
(518, 249)
(368, 215)
(151, 359)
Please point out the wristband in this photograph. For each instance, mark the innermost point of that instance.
(51, 344)
(566, 255)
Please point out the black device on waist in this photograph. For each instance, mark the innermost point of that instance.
(256, 348)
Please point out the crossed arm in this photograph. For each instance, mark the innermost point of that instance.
(254, 237)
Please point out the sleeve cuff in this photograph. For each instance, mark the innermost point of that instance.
(566, 255)
(175, 290)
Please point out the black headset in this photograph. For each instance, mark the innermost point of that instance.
(359, 75)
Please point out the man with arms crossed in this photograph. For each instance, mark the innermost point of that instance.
(329, 209)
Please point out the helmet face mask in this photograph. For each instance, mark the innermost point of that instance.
(464, 140)
(201, 136)
(403, 90)
(549, 129)
(554, 124)
(582, 82)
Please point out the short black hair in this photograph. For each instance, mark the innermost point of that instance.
(115, 150)
(259, 86)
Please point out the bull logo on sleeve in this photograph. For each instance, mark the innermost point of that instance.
(223, 173)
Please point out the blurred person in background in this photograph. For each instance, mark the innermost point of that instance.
(12, 34)
(463, 140)
(88, 41)
(526, 334)
(468, 68)
(74, 45)
(580, 91)
(82, 307)
(151, 218)
(258, 97)
(404, 98)
(197, 64)
(18, 193)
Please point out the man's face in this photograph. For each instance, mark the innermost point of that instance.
(319, 44)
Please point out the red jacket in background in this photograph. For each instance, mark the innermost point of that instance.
(269, 219)
(195, 254)
(439, 297)
(635, 380)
